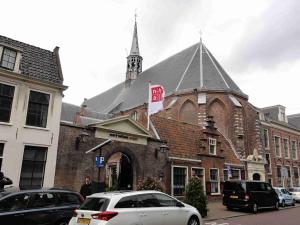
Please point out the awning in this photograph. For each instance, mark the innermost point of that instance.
(99, 146)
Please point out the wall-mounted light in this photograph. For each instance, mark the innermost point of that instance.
(163, 148)
(81, 138)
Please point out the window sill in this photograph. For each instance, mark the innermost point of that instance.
(215, 193)
(37, 128)
(5, 124)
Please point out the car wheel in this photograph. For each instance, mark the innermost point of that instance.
(254, 208)
(294, 202)
(229, 208)
(276, 205)
(283, 203)
(193, 221)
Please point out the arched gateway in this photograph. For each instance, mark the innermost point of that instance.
(119, 172)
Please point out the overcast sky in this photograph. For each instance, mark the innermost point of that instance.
(257, 42)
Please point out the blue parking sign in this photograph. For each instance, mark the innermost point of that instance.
(99, 161)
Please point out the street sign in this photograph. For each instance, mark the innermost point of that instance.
(99, 161)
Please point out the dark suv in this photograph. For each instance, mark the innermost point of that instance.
(252, 195)
(42, 206)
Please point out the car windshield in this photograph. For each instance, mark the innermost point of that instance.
(95, 204)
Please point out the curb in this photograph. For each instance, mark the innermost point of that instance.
(246, 214)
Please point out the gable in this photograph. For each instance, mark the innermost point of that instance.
(122, 129)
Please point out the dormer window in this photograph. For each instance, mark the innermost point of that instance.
(8, 58)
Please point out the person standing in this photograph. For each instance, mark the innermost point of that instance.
(86, 188)
(4, 180)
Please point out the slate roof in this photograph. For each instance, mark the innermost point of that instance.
(37, 63)
(271, 112)
(180, 72)
(294, 120)
(86, 117)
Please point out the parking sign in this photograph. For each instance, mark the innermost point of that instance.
(99, 161)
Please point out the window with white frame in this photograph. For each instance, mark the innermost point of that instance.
(8, 58)
(1, 154)
(199, 172)
(266, 138)
(6, 100)
(179, 180)
(294, 150)
(296, 176)
(290, 182)
(279, 177)
(135, 116)
(214, 181)
(33, 167)
(37, 112)
(286, 148)
(268, 163)
(277, 146)
(212, 146)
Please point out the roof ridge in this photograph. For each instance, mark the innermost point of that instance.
(186, 69)
(24, 43)
(294, 115)
(166, 59)
(208, 53)
(67, 103)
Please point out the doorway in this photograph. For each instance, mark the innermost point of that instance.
(256, 176)
(119, 172)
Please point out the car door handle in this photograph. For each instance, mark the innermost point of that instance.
(165, 213)
(142, 214)
(19, 214)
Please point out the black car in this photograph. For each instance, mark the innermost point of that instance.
(252, 195)
(37, 207)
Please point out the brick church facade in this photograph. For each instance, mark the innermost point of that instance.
(206, 129)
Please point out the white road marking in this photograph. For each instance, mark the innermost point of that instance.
(215, 223)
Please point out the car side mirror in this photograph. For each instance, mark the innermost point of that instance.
(179, 204)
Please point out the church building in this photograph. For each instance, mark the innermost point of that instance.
(206, 129)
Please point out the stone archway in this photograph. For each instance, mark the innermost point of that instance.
(256, 176)
(119, 171)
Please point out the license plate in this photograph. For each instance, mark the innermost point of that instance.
(234, 196)
(83, 221)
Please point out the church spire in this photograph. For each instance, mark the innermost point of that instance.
(134, 60)
(135, 43)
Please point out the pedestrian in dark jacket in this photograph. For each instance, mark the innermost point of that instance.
(4, 180)
(86, 188)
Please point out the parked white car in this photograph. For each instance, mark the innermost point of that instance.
(285, 197)
(135, 208)
(296, 193)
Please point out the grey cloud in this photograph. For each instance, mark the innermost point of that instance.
(166, 19)
(270, 40)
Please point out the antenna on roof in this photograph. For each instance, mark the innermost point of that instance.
(135, 15)
(201, 64)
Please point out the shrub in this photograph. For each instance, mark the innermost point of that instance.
(149, 184)
(195, 196)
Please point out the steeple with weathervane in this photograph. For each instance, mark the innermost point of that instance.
(134, 60)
